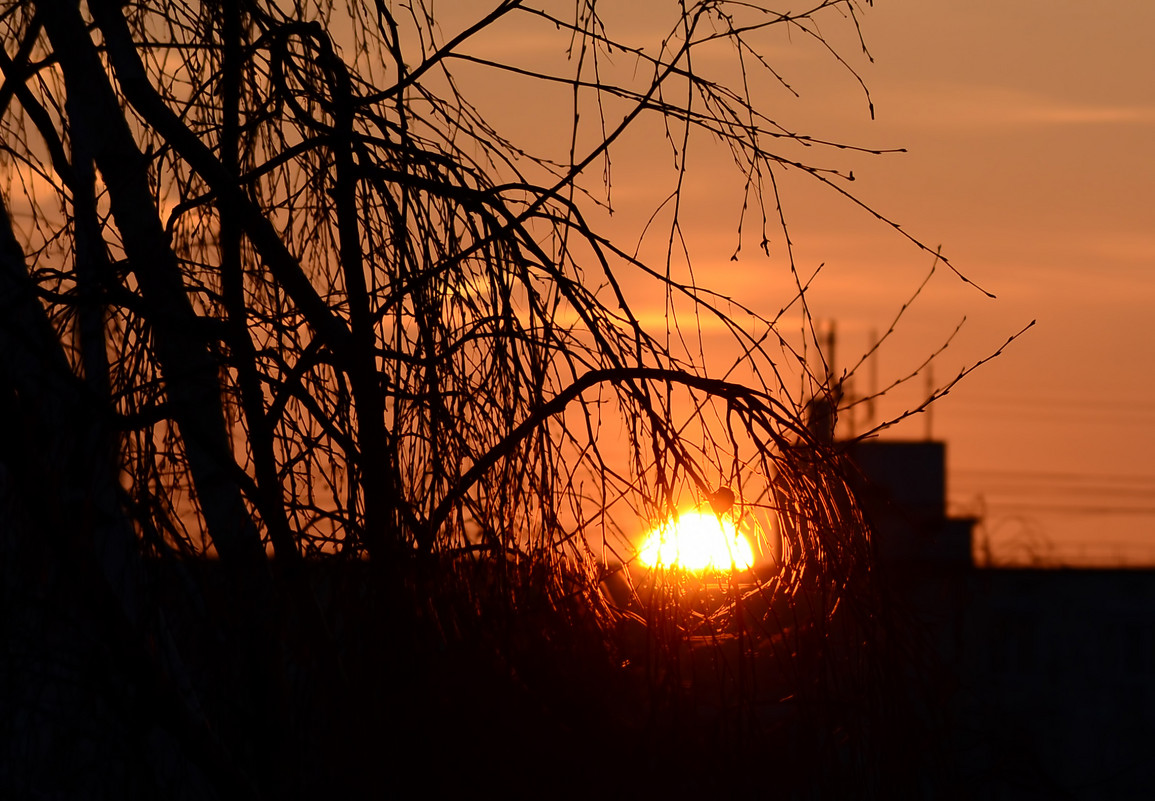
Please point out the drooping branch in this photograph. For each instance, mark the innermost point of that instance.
(772, 410)
(189, 368)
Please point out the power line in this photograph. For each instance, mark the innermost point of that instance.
(1054, 475)
(1069, 509)
(1141, 493)
(1037, 401)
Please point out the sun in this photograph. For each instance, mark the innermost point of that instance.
(697, 541)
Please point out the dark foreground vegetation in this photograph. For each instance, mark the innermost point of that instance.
(538, 699)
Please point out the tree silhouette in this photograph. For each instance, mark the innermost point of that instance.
(276, 293)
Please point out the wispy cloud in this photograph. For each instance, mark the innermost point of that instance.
(995, 107)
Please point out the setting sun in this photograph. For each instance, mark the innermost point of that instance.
(697, 541)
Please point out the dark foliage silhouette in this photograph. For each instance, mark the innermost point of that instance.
(328, 413)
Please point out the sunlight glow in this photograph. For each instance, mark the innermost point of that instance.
(697, 541)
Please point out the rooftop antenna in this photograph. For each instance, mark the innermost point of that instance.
(929, 434)
(831, 342)
(873, 394)
(823, 407)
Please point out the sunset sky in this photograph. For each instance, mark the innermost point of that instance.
(1028, 129)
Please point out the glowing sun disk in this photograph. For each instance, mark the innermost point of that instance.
(697, 541)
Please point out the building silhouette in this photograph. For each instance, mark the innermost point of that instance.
(1038, 683)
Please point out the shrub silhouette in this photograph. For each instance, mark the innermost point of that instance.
(329, 415)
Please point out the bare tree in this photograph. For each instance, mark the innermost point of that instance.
(276, 292)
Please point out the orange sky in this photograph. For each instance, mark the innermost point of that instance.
(1028, 128)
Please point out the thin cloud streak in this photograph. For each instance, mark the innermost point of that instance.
(953, 107)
